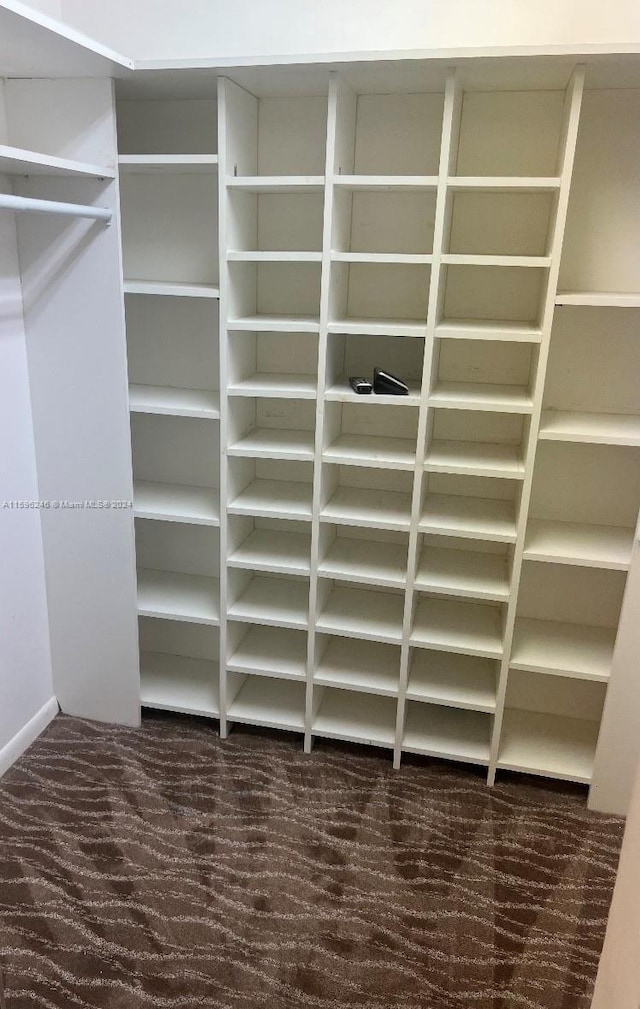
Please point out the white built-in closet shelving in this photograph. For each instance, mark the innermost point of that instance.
(440, 573)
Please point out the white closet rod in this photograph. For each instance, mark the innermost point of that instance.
(24, 203)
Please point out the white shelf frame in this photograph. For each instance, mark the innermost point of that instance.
(234, 103)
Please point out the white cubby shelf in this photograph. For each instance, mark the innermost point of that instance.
(438, 574)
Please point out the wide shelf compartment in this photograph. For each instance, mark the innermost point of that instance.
(273, 703)
(179, 683)
(361, 613)
(181, 451)
(175, 402)
(172, 289)
(176, 596)
(587, 484)
(169, 227)
(473, 574)
(453, 680)
(355, 717)
(563, 649)
(582, 544)
(368, 666)
(599, 299)
(282, 602)
(270, 651)
(454, 626)
(176, 503)
(552, 746)
(595, 428)
(438, 731)
(178, 164)
(167, 127)
(365, 560)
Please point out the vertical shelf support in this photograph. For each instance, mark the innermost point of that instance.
(450, 128)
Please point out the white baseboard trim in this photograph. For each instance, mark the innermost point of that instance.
(27, 734)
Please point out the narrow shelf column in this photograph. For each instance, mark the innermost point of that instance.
(573, 102)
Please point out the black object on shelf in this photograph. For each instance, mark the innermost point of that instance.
(361, 385)
(386, 384)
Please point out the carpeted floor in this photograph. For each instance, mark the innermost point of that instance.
(162, 867)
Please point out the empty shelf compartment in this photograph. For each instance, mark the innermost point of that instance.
(356, 717)
(179, 683)
(273, 443)
(362, 506)
(475, 458)
(468, 573)
(271, 651)
(273, 703)
(459, 681)
(363, 613)
(367, 561)
(563, 649)
(553, 746)
(454, 734)
(596, 428)
(468, 628)
(582, 544)
(369, 666)
(192, 598)
(283, 602)
(175, 402)
(469, 517)
(176, 503)
(271, 550)
(285, 499)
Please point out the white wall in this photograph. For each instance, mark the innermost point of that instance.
(25, 662)
(618, 982)
(182, 29)
(51, 7)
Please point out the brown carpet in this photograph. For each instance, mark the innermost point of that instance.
(163, 867)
